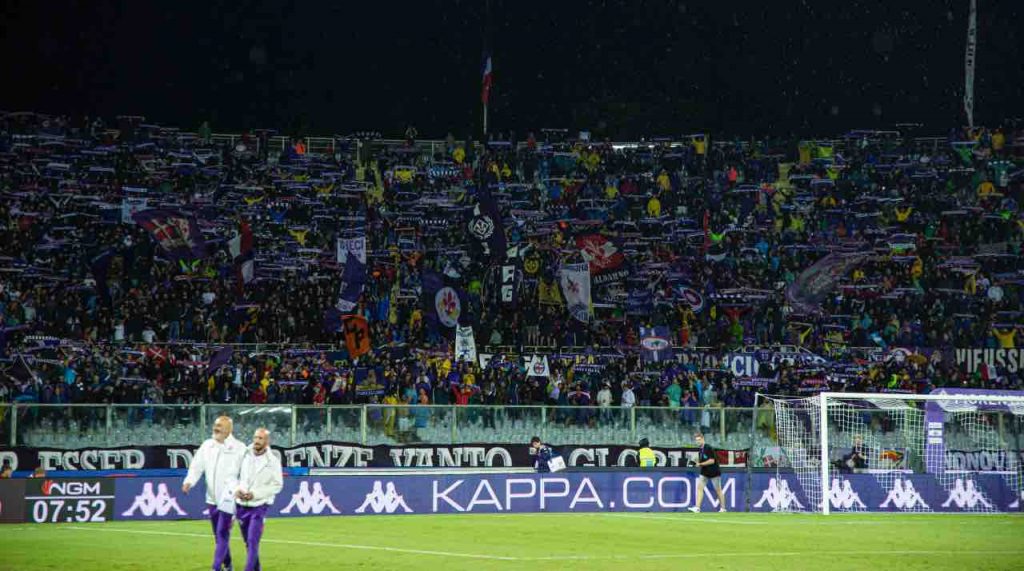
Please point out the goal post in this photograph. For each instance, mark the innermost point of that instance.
(955, 450)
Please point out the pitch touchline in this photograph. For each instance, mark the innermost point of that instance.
(557, 557)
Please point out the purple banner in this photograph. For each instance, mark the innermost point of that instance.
(664, 491)
(935, 418)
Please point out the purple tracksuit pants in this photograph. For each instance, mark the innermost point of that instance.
(221, 523)
(251, 522)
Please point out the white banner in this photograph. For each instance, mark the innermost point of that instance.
(575, 282)
(465, 345)
(356, 246)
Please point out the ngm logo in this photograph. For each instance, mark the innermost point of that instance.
(56, 488)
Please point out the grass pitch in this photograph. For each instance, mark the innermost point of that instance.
(620, 541)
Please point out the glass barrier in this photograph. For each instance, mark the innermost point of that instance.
(278, 419)
(496, 424)
(153, 425)
(337, 423)
(61, 426)
(409, 424)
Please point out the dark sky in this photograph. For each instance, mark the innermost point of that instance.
(619, 68)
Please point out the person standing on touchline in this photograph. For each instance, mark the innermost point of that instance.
(709, 470)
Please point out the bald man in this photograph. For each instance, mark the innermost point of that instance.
(218, 461)
(258, 483)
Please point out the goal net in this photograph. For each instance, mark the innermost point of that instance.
(910, 453)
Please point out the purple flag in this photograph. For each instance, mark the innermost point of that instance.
(220, 358)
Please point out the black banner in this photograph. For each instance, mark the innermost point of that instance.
(12, 501)
(327, 454)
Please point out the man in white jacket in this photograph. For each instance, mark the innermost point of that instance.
(258, 483)
(218, 462)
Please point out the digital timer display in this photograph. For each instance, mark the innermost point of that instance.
(69, 501)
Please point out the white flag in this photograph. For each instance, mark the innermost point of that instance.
(355, 246)
(575, 282)
(537, 366)
(465, 345)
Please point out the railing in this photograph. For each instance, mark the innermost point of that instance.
(86, 426)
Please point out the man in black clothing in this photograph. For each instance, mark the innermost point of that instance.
(709, 470)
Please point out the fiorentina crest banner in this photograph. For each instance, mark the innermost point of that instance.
(444, 303)
(177, 233)
(656, 344)
(811, 287)
(575, 281)
(604, 259)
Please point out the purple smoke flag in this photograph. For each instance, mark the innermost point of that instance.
(177, 233)
(810, 288)
(220, 358)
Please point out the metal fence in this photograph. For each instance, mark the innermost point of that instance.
(85, 426)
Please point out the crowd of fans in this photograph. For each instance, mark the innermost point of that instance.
(708, 236)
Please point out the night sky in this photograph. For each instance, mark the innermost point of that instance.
(619, 69)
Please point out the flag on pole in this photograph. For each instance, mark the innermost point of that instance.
(485, 94)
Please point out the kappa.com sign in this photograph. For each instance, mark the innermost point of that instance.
(161, 498)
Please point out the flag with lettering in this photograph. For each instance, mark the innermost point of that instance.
(177, 233)
(352, 253)
(604, 258)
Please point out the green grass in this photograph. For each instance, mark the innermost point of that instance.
(625, 542)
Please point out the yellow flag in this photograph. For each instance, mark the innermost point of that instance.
(299, 235)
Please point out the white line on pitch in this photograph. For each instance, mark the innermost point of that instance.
(562, 557)
(683, 518)
(307, 543)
